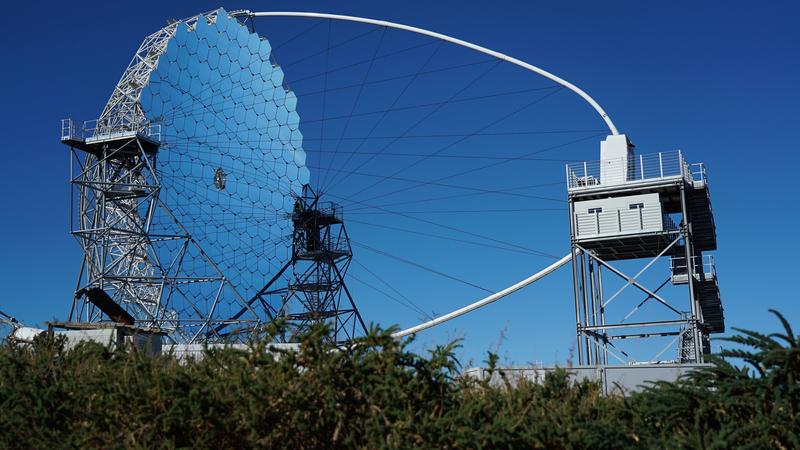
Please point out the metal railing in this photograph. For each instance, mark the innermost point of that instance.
(334, 210)
(68, 130)
(337, 244)
(329, 244)
(696, 172)
(704, 264)
(643, 167)
(91, 129)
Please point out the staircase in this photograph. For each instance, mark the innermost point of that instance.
(698, 202)
(706, 289)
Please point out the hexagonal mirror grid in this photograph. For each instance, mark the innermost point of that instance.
(231, 160)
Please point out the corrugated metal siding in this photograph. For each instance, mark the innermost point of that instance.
(621, 221)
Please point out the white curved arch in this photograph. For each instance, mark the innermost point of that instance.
(446, 38)
(533, 278)
(486, 300)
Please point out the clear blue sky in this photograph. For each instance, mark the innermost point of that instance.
(717, 80)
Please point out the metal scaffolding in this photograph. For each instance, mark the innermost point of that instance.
(115, 190)
(646, 208)
(317, 292)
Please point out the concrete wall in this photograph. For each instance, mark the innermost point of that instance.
(615, 379)
(103, 336)
(196, 351)
(149, 343)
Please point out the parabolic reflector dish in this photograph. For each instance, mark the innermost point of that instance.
(229, 169)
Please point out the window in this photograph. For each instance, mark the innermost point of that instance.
(595, 210)
(636, 206)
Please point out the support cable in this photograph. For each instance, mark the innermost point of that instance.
(403, 300)
(383, 116)
(484, 301)
(448, 227)
(446, 238)
(352, 108)
(452, 40)
(453, 144)
(422, 120)
(386, 294)
(444, 197)
(462, 211)
(498, 163)
(414, 182)
(419, 266)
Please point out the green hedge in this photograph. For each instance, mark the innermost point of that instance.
(378, 394)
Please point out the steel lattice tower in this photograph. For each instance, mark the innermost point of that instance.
(321, 255)
(116, 192)
(185, 194)
(317, 292)
(648, 207)
(116, 196)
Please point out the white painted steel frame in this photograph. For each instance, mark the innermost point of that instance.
(123, 111)
(486, 300)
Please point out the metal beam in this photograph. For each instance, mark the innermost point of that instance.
(643, 270)
(658, 323)
(485, 301)
(637, 284)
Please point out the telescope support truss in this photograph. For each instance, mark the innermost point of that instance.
(115, 190)
(316, 291)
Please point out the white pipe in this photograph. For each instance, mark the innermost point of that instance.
(450, 39)
(485, 301)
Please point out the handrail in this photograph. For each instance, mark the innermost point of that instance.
(706, 264)
(422, 31)
(89, 129)
(623, 170)
(696, 172)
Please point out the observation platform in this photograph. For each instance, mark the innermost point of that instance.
(313, 286)
(328, 252)
(312, 316)
(632, 246)
(318, 240)
(325, 213)
(631, 207)
(93, 139)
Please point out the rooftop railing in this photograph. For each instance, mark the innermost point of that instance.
(639, 168)
(90, 129)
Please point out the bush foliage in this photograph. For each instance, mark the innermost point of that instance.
(378, 394)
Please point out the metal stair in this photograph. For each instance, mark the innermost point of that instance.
(706, 289)
(704, 231)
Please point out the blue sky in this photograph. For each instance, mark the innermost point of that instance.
(717, 80)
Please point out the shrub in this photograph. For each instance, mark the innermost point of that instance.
(379, 394)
